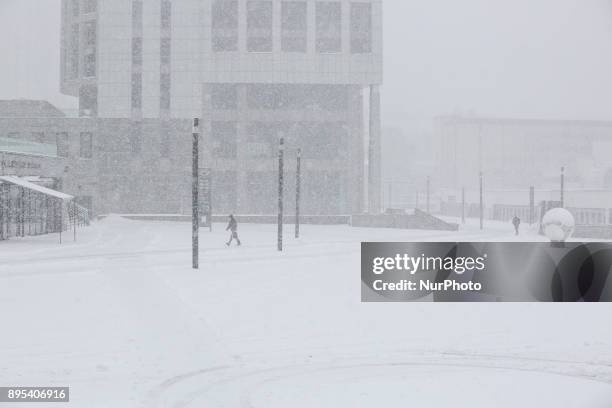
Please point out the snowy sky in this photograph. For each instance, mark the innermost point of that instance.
(519, 58)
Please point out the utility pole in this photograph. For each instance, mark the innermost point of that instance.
(298, 188)
(428, 193)
(562, 187)
(481, 203)
(195, 215)
(390, 196)
(281, 151)
(463, 205)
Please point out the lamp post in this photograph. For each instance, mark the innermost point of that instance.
(562, 187)
(195, 214)
(281, 151)
(298, 188)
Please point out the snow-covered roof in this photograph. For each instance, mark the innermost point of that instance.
(26, 108)
(35, 187)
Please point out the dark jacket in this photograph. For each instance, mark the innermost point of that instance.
(232, 225)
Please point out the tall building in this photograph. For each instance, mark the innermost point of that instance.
(253, 71)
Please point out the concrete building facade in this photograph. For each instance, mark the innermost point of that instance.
(253, 71)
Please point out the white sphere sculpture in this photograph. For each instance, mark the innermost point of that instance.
(558, 224)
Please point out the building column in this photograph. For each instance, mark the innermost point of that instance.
(311, 32)
(374, 153)
(356, 137)
(242, 194)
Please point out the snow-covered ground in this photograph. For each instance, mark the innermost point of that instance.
(121, 318)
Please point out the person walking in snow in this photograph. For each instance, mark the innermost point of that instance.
(233, 227)
(516, 221)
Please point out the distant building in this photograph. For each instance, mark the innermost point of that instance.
(519, 153)
(253, 71)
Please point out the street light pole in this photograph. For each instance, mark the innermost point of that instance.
(281, 151)
(562, 187)
(298, 188)
(195, 221)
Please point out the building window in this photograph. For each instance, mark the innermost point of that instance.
(137, 52)
(330, 98)
(13, 135)
(86, 145)
(74, 51)
(164, 96)
(136, 90)
(165, 80)
(88, 101)
(325, 141)
(89, 33)
(136, 100)
(225, 191)
(294, 23)
(166, 14)
(329, 26)
(90, 6)
(165, 51)
(76, 9)
(61, 141)
(259, 26)
(361, 28)
(89, 49)
(261, 192)
(224, 25)
(136, 138)
(164, 140)
(90, 65)
(262, 140)
(224, 96)
(137, 13)
(224, 136)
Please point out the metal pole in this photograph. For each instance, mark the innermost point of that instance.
(562, 187)
(74, 220)
(481, 204)
(59, 217)
(463, 205)
(298, 188)
(428, 193)
(531, 205)
(195, 216)
(281, 151)
(210, 206)
(22, 213)
(390, 195)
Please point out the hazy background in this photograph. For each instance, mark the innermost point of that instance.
(517, 58)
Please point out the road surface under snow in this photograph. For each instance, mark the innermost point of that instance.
(121, 318)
